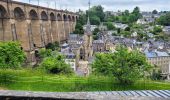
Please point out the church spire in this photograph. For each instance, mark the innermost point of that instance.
(88, 26)
(88, 20)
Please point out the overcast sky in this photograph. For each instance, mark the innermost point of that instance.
(111, 5)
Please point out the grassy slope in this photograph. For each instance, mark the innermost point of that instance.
(39, 81)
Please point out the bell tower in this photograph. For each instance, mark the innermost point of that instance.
(88, 39)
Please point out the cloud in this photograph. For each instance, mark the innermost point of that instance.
(145, 5)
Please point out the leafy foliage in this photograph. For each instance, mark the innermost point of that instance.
(125, 66)
(109, 25)
(96, 30)
(11, 55)
(56, 64)
(155, 12)
(45, 53)
(79, 28)
(164, 20)
(126, 17)
(53, 46)
(157, 29)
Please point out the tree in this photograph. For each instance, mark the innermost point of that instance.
(96, 30)
(44, 53)
(136, 13)
(79, 28)
(55, 64)
(126, 66)
(155, 12)
(11, 55)
(109, 25)
(127, 29)
(164, 20)
(96, 14)
(125, 33)
(157, 29)
(100, 12)
(94, 20)
(52, 46)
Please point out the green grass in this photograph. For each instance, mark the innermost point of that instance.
(34, 80)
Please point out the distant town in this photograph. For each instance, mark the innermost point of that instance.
(145, 34)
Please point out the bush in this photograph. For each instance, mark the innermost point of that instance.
(56, 65)
(53, 46)
(43, 53)
(11, 55)
(126, 66)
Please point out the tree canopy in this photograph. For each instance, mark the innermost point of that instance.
(11, 55)
(126, 17)
(126, 66)
(164, 20)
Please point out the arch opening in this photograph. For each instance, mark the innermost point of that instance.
(19, 13)
(76, 18)
(69, 18)
(59, 18)
(64, 17)
(44, 16)
(73, 18)
(3, 12)
(52, 17)
(33, 15)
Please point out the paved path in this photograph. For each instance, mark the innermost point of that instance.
(100, 95)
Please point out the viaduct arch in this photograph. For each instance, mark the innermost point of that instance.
(34, 26)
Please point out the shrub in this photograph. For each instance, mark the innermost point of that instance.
(11, 55)
(56, 65)
(126, 66)
(53, 46)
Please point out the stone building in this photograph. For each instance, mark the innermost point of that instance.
(161, 60)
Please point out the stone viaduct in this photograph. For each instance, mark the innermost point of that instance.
(34, 26)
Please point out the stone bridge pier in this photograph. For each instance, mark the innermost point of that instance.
(34, 26)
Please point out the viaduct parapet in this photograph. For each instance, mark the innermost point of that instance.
(34, 26)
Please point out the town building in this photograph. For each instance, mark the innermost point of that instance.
(120, 25)
(166, 30)
(161, 60)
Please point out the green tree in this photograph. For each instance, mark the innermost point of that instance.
(155, 12)
(45, 53)
(53, 46)
(126, 66)
(137, 14)
(96, 30)
(109, 25)
(55, 64)
(157, 29)
(11, 55)
(127, 29)
(164, 20)
(95, 20)
(79, 28)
